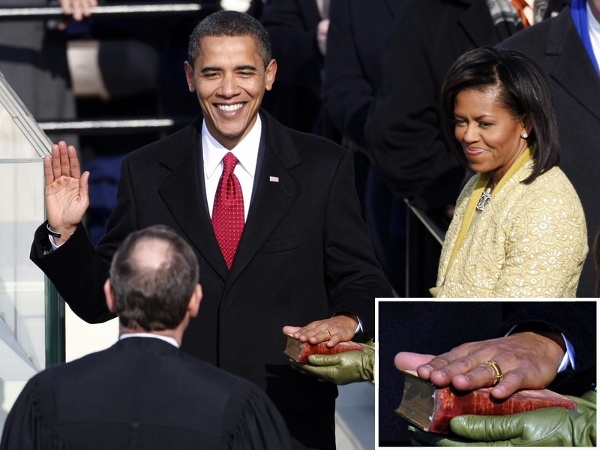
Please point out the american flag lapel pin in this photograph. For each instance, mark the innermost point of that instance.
(273, 179)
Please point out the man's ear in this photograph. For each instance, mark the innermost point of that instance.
(189, 76)
(270, 74)
(109, 295)
(195, 299)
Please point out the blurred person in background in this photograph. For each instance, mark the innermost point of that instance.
(298, 30)
(356, 45)
(405, 129)
(567, 49)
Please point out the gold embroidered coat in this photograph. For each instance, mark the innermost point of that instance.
(529, 241)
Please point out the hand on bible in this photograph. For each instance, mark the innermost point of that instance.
(343, 368)
(527, 360)
(67, 194)
(341, 327)
(546, 427)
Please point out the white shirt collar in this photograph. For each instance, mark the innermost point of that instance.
(246, 151)
(168, 339)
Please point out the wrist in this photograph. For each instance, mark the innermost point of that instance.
(352, 320)
(551, 344)
(60, 234)
(543, 329)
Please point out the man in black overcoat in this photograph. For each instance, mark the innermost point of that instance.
(304, 264)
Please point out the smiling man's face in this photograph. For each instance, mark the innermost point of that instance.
(230, 80)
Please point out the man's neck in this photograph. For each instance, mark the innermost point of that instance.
(174, 335)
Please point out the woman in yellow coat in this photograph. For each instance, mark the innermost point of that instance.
(519, 228)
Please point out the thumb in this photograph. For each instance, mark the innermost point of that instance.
(487, 428)
(324, 360)
(410, 361)
(290, 329)
(84, 185)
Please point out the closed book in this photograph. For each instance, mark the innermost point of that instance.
(300, 351)
(431, 409)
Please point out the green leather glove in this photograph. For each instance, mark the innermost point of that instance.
(546, 427)
(343, 368)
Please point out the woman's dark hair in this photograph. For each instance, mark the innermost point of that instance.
(522, 90)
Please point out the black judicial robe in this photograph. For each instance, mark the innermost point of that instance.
(142, 393)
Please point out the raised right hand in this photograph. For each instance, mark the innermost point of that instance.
(67, 194)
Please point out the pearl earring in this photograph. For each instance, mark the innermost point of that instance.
(525, 136)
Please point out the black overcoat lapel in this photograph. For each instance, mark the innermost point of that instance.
(184, 194)
(275, 191)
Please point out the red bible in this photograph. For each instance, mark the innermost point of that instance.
(300, 351)
(431, 409)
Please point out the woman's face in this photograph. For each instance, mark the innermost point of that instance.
(490, 136)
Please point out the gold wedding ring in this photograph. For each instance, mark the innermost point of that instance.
(329, 335)
(497, 371)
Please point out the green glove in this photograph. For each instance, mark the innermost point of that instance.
(343, 368)
(546, 427)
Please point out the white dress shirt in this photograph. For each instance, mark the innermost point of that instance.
(247, 154)
(529, 11)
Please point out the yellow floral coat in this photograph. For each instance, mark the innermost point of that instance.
(529, 241)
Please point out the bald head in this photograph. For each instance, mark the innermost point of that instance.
(153, 275)
(151, 254)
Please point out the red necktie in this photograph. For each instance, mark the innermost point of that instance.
(228, 210)
(520, 6)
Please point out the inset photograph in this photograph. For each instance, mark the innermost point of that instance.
(514, 373)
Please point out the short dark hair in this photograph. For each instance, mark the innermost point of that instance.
(523, 91)
(231, 23)
(153, 297)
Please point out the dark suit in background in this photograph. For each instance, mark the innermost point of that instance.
(304, 255)
(295, 99)
(557, 48)
(356, 45)
(142, 393)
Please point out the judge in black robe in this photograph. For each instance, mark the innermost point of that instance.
(144, 392)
